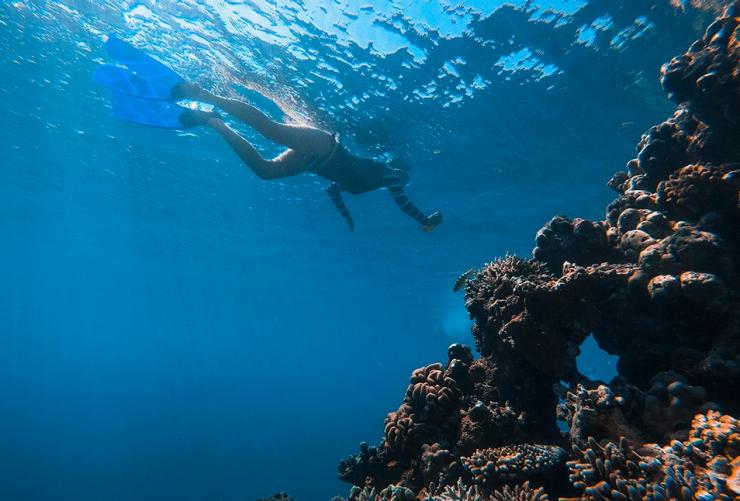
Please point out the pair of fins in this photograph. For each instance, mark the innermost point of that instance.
(141, 87)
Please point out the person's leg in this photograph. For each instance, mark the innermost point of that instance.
(307, 140)
(289, 163)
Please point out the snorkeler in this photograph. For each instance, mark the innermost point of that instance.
(145, 92)
(309, 150)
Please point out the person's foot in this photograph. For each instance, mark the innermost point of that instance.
(432, 221)
(186, 90)
(196, 118)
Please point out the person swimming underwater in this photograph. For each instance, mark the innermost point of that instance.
(309, 150)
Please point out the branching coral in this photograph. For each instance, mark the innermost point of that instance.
(711, 454)
(609, 472)
(390, 493)
(521, 492)
(457, 492)
(698, 468)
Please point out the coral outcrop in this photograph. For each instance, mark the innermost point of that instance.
(521, 492)
(280, 496)
(703, 467)
(656, 283)
(512, 462)
(596, 412)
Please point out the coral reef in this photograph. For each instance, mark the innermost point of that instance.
(520, 493)
(280, 496)
(670, 403)
(390, 493)
(462, 492)
(656, 284)
(513, 462)
(457, 492)
(703, 467)
(595, 413)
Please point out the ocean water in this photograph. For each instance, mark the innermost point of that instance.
(175, 328)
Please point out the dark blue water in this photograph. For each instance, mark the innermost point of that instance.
(174, 328)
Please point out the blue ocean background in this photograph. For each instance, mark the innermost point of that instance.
(174, 328)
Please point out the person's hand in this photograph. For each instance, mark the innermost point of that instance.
(431, 222)
(351, 224)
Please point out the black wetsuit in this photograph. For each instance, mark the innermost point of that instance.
(357, 175)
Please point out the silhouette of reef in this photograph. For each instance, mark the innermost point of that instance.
(280, 496)
(655, 283)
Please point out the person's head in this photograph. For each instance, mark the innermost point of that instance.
(402, 168)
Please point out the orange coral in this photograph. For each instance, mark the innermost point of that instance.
(702, 468)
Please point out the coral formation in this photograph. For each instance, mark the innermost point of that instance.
(670, 404)
(457, 492)
(280, 496)
(594, 413)
(513, 462)
(655, 283)
(521, 492)
(579, 241)
(390, 493)
(701, 467)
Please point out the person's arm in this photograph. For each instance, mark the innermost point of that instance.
(428, 223)
(335, 193)
(403, 202)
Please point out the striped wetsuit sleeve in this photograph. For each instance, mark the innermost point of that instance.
(399, 196)
(335, 193)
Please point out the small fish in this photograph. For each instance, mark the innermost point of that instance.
(462, 279)
(626, 125)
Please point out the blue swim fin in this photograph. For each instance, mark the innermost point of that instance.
(143, 76)
(152, 112)
(125, 81)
